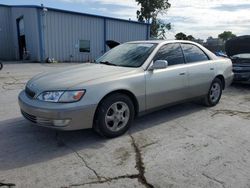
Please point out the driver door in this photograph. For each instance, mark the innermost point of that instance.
(168, 85)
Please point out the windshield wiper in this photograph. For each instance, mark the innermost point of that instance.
(107, 63)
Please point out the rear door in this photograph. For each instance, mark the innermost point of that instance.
(164, 86)
(200, 70)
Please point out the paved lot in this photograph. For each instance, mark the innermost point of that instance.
(186, 145)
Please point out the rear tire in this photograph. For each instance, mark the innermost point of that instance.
(114, 115)
(214, 93)
(1, 66)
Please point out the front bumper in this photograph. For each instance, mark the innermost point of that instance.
(241, 72)
(242, 77)
(74, 115)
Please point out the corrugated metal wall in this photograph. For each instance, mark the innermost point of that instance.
(6, 42)
(56, 33)
(63, 31)
(124, 31)
(30, 30)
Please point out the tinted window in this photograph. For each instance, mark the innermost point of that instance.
(193, 53)
(172, 53)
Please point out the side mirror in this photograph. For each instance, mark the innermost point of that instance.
(159, 64)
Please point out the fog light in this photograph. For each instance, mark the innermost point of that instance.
(61, 122)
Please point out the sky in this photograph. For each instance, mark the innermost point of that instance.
(200, 18)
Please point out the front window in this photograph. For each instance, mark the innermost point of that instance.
(127, 55)
(172, 53)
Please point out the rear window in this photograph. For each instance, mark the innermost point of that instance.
(193, 53)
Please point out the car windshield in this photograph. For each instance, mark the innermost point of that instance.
(242, 56)
(127, 55)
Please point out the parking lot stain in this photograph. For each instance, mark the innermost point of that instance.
(122, 155)
(247, 98)
(245, 115)
(212, 161)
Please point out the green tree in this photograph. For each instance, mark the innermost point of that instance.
(159, 28)
(149, 11)
(190, 37)
(181, 36)
(226, 35)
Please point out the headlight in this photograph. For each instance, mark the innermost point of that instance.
(72, 96)
(61, 96)
(50, 96)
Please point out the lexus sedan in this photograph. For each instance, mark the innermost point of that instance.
(129, 80)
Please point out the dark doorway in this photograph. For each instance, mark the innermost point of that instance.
(21, 37)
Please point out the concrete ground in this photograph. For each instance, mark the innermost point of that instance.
(187, 145)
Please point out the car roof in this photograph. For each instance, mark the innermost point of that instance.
(162, 41)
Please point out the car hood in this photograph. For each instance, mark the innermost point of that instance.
(238, 45)
(68, 77)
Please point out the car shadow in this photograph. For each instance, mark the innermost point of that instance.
(23, 144)
(241, 86)
(165, 115)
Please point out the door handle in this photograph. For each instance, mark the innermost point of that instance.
(211, 68)
(182, 73)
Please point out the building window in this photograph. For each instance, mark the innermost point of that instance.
(84, 46)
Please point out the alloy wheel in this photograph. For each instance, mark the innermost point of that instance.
(215, 92)
(117, 116)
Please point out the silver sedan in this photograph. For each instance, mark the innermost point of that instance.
(131, 79)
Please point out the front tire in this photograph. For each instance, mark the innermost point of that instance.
(214, 93)
(114, 115)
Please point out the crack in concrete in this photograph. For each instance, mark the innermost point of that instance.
(139, 166)
(7, 184)
(106, 180)
(86, 164)
(61, 143)
(149, 144)
(245, 115)
(214, 179)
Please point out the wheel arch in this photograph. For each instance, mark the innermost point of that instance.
(125, 92)
(221, 77)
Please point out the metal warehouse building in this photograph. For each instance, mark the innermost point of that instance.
(36, 33)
